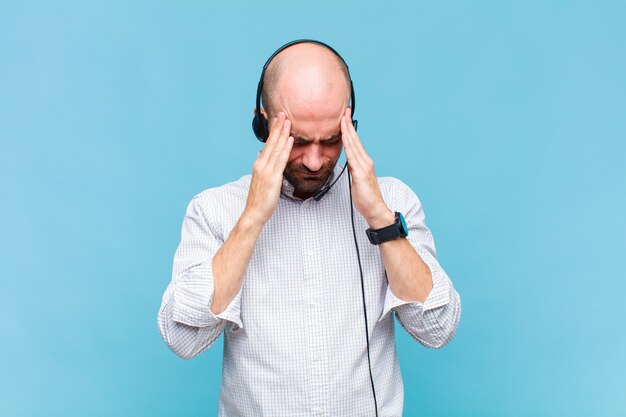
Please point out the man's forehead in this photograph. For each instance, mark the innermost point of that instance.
(315, 128)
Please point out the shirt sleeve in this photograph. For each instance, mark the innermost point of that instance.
(433, 322)
(185, 320)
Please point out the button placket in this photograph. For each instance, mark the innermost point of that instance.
(315, 302)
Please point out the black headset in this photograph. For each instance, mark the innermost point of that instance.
(261, 130)
(259, 122)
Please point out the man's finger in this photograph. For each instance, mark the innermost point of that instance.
(275, 129)
(280, 142)
(347, 144)
(355, 141)
(269, 142)
(283, 157)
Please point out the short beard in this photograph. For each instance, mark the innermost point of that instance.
(295, 173)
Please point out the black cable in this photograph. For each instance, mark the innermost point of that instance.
(321, 193)
(358, 255)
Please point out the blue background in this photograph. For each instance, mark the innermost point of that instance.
(507, 118)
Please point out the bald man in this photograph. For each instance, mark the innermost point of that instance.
(276, 271)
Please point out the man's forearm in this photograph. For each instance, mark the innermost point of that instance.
(409, 277)
(231, 261)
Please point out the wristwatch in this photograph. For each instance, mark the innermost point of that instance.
(384, 234)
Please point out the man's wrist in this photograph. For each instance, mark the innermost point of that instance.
(250, 224)
(385, 218)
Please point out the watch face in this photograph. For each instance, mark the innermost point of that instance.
(406, 229)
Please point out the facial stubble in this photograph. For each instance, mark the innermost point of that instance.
(296, 174)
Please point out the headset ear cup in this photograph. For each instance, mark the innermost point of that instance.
(259, 127)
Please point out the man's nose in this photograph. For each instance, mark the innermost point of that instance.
(312, 158)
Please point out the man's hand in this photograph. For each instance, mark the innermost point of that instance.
(366, 194)
(267, 172)
(231, 260)
(409, 277)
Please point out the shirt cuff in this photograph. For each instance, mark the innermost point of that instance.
(193, 296)
(439, 296)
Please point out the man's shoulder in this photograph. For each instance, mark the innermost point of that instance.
(397, 194)
(226, 195)
(393, 185)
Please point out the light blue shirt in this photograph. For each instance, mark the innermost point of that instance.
(294, 336)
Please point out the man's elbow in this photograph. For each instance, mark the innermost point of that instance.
(448, 326)
(440, 327)
(187, 355)
(183, 346)
(440, 341)
(181, 339)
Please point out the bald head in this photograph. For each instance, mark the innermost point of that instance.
(303, 77)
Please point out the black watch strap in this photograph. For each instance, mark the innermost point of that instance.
(384, 234)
